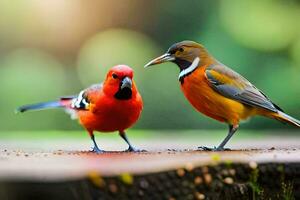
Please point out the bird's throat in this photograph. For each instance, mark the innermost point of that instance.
(182, 64)
(187, 68)
(124, 94)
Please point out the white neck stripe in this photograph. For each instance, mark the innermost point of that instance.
(191, 68)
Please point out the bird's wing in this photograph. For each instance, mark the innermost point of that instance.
(232, 85)
(86, 97)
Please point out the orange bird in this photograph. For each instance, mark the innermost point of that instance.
(114, 105)
(217, 91)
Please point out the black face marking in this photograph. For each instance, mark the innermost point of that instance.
(187, 71)
(124, 94)
(182, 64)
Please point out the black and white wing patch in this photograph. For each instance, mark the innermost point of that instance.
(81, 102)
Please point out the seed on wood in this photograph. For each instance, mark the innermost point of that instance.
(189, 167)
(180, 172)
(198, 180)
(199, 196)
(96, 178)
(232, 172)
(228, 180)
(207, 178)
(127, 178)
(253, 165)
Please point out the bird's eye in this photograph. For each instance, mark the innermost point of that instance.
(181, 49)
(114, 76)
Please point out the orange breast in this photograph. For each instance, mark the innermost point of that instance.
(197, 90)
(112, 114)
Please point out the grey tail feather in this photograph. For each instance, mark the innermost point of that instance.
(40, 106)
(289, 119)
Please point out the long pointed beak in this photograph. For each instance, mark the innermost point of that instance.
(161, 59)
(126, 83)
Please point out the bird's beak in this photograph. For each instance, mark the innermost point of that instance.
(161, 59)
(126, 83)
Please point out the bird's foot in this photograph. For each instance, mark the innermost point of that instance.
(133, 149)
(97, 150)
(203, 148)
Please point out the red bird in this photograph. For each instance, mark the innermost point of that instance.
(114, 105)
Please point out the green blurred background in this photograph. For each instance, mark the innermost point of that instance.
(51, 48)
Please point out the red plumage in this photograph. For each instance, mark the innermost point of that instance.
(114, 105)
(107, 113)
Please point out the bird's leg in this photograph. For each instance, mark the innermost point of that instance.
(95, 148)
(232, 130)
(130, 147)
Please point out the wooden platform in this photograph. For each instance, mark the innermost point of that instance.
(266, 168)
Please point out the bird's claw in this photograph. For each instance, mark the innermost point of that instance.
(132, 149)
(97, 150)
(204, 148)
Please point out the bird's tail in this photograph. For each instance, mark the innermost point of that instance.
(281, 116)
(64, 102)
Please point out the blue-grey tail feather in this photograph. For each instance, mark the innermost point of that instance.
(289, 119)
(40, 106)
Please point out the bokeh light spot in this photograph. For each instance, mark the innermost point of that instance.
(264, 25)
(29, 76)
(113, 47)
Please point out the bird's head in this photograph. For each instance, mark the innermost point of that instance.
(119, 83)
(188, 55)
